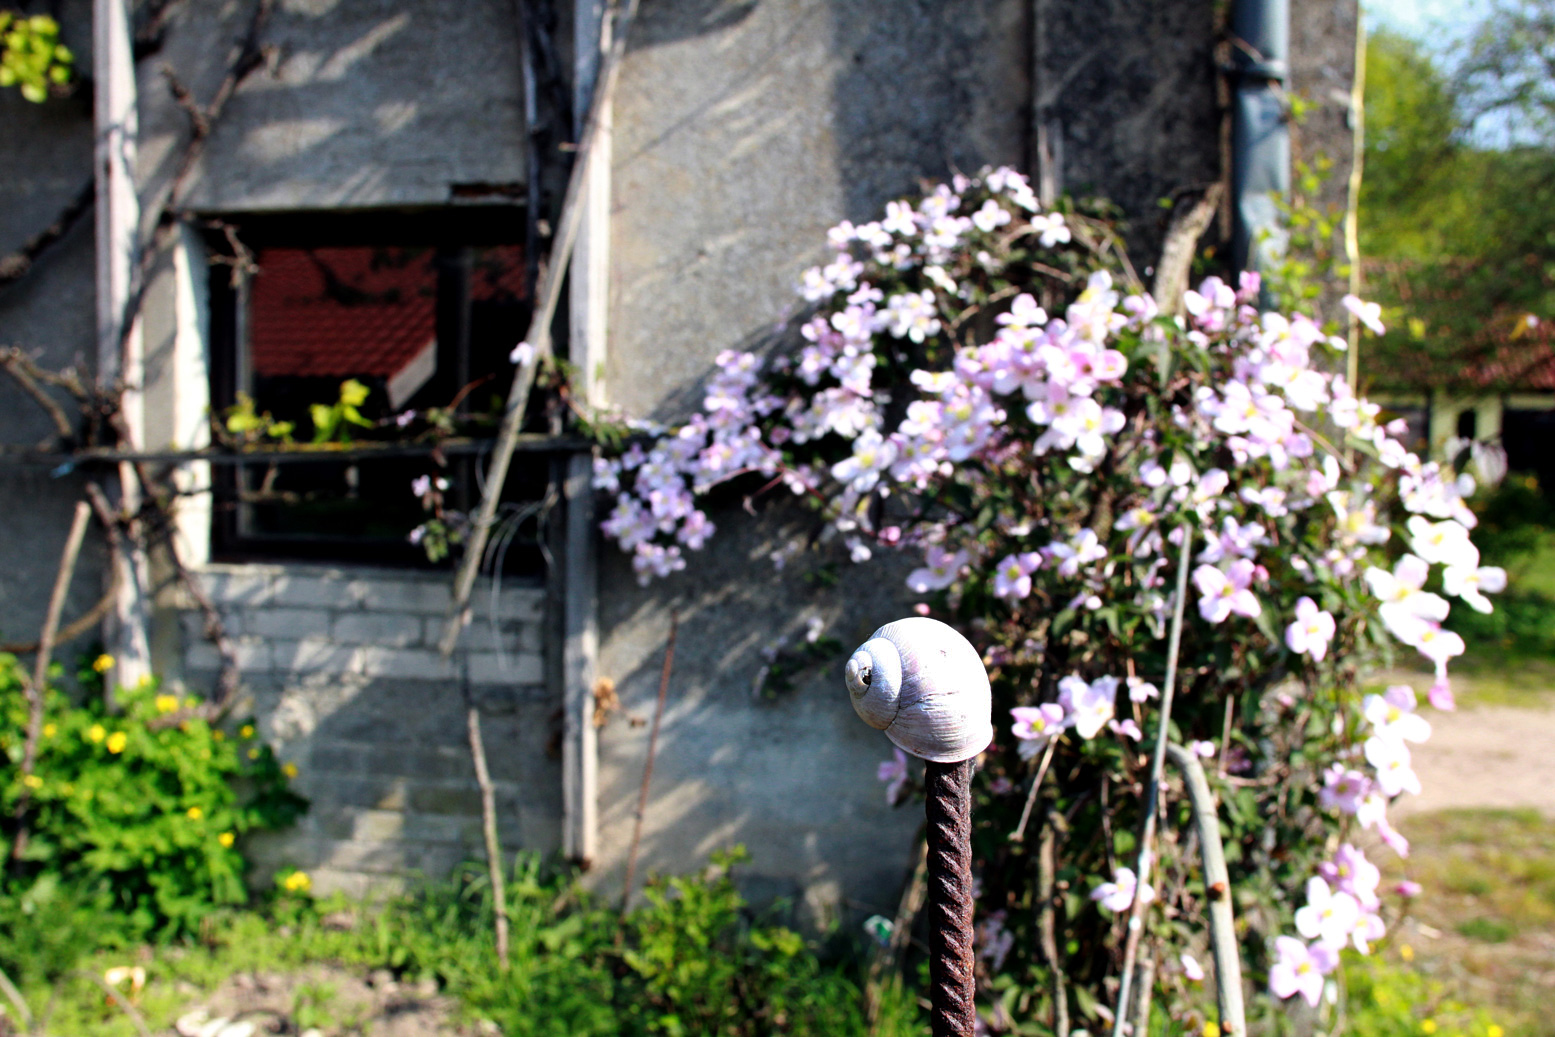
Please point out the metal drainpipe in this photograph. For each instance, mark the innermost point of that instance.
(1260, 129)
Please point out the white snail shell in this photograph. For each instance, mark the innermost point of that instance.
(924, 685)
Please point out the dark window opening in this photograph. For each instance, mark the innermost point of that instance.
(420, 309)
(1468, 424)
(1527, 435)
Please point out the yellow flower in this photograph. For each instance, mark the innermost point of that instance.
(166, 703)
(289, 769)
(135, 975)
(218, 736)
(49, 730)
(297, 882)
(1428, 1026)
(95, 733)
(246, 731)
(145, 681)
(1494, 1031)
(32, 781)
(226, 838)
(1406, 952)
(253, 754)
(117, 741)
(194, 813)
(103, 663)
(1211, 1029)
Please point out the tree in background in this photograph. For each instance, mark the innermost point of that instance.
(1459, 235)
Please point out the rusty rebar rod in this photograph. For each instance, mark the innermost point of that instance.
(925, 685)
(952, 983)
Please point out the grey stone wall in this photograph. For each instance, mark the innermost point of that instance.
(341, 671)
(1127, 92)
(45, 159)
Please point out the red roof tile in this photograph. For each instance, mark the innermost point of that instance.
(355, 311)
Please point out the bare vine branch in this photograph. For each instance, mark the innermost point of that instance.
(16, 364)
(20, 263)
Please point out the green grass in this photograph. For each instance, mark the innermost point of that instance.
(1485, 923)
(1480, 680)
(1532, 571)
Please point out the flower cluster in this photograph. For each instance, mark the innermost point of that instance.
(981, 383)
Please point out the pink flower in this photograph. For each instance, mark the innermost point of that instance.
(1352, 873)
(1392, 836)
(1343, 789)
(1300, 969)
(1468, 583)
(1191, 968)
(940, 571)
(1312, 631)
(1393, 715)
(1037, 723)
(1440, 694)
(1140, 690)
(1012, 578)
(894, 773)
(1127, 728)
(1408, 888)
(994, 941)
(1223, 592)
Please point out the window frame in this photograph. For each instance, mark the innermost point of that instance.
(445, 229)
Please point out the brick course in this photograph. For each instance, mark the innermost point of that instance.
(347, 681)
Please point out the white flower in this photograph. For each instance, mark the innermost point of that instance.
(1390, 757)
(1468, 583)
(1311, 632)
(1088, 706)
(1446, 542)
(1118, 894)
(1368, 313)
(1392, 715)
(1328, 916)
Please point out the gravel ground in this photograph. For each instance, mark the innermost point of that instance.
(1489, 756)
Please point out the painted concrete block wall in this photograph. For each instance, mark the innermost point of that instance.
(341, 671)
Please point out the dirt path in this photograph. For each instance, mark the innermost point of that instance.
(1490, 756)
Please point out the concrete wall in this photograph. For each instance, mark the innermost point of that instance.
(45, 159)
(341, 668)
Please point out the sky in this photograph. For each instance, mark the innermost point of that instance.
(1434, 22)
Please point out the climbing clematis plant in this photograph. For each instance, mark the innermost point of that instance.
(985, 385)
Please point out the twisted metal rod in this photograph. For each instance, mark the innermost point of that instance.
(952, 985)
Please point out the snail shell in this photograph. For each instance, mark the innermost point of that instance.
(924, 685)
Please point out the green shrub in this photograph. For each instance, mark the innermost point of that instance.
(134, 824)
(692, 959)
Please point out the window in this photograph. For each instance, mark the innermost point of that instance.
(422, 310)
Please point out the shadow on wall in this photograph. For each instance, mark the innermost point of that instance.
(777, 762)
(359, 107)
